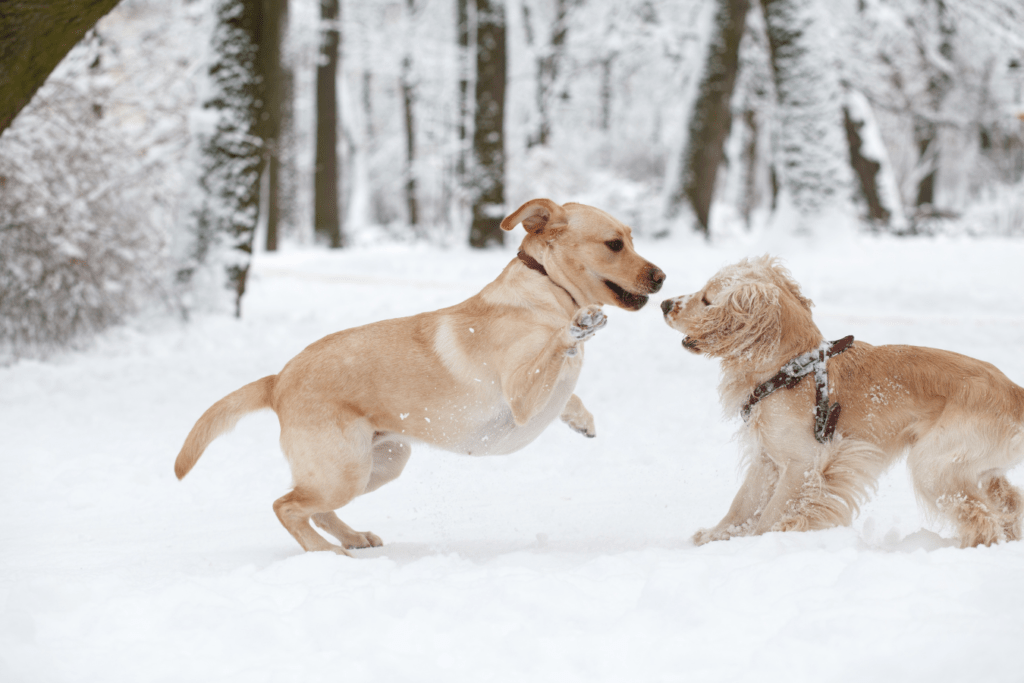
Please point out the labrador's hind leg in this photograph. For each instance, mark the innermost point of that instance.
(349, 537)
(330, 467)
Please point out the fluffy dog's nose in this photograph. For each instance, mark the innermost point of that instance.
(666, 306)
(657, 278)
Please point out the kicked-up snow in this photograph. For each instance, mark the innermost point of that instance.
(570, 560)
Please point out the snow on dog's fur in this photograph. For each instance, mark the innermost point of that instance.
(960, 421)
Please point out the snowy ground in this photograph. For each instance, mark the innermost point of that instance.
(568, 561)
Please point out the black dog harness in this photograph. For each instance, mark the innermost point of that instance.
(826, 416)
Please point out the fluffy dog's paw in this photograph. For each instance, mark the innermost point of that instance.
(707, 535)
(791, 523)
(586, 323)
(721, 533)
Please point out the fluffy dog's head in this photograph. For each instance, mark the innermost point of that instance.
(588, 252)
(749, 312)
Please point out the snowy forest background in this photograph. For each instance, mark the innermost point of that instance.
(180, 137)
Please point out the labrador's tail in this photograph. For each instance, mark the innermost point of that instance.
(222, 417)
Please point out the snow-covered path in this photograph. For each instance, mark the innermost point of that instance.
(568, 561)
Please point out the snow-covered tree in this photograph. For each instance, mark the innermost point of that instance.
(811, 153)
(233, 151)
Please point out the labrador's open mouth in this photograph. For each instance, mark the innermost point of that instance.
(629, 301)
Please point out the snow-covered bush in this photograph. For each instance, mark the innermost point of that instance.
(79, 251)
(94, 182)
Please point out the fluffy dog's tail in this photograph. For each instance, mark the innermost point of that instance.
(221, 417)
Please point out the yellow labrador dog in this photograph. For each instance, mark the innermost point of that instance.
(485, 376)
(824, 419)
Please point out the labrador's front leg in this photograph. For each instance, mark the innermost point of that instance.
(578, 417)
(528, 387)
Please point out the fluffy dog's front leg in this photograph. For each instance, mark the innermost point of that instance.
(528, 388)
(578, 417)
(750, 501)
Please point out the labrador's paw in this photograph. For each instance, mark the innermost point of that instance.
(583, 424)
(586, 323)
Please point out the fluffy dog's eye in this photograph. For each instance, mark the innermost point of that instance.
(614, 245)
(704, 300)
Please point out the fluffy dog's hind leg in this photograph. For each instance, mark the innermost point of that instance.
(1008, 504)
(957, 473)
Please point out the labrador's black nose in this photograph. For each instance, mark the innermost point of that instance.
(666, 306)
(657, 277)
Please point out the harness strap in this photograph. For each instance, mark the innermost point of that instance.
(534, 264)
(826, 416)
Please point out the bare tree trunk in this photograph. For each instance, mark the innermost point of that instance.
(548, 64)
(34, 37)
(408, 98)
(289, 177)
(410, 144)
(489, 133)
(926, 132)
(327, 216)
(866, 169)
(606, 91)
(462, 28)
(711, 119)
(268, 59)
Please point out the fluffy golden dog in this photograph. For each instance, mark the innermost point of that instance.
(960, 421)
(484, 376)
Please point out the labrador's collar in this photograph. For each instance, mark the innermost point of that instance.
(534, 264)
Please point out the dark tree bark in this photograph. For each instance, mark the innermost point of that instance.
(462, 29)
(327, 216)
(925, 129)
(35, 35)
(410, 143)
(408, 99)
(711, 119)
(489, 133)
(268, 61)
(866, 169)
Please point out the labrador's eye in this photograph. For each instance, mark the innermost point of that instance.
(614, 245)
(704, 300)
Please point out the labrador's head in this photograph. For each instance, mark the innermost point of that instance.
(588, 252)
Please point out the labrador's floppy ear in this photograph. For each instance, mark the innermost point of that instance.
(536, 215)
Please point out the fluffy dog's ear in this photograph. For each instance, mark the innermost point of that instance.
(537, 215)
(784, 279)
(746, 321)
